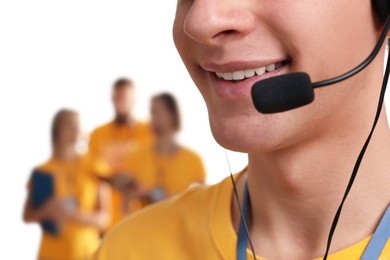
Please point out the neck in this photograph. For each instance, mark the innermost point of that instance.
(296, 191)
(64, 152)
(123, 119)
(166, 144)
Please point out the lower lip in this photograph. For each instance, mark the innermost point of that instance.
(240, 90)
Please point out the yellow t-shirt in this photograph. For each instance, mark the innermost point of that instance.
(194, 225)
(174, 173)
(73, 180)
(114, 143)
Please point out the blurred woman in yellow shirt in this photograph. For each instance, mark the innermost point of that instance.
(165, 167)
(79, 206)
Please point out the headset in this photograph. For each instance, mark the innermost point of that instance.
(294, 90)
(382, 8)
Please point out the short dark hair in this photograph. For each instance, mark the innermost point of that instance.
(122, 82)
(171, 104)
(58, 122)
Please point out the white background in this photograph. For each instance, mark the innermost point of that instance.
(56, 54)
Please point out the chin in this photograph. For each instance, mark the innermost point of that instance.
(248, 135)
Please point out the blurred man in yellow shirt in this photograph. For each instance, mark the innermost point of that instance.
(79, 205)
(299, 161)
(164, 167)
(116, 140)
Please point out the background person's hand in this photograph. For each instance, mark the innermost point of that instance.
(135, 190)
(121, 182)
(58, 210)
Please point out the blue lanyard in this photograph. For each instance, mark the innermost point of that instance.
(379, 239)
(373, 250)
(242, 240)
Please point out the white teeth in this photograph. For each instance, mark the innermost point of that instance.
(238, 75)
(271, 67)
(260, 71)
(227, 76)
(249, 73)
(242, 74)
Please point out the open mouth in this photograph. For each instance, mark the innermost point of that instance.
(238, 76)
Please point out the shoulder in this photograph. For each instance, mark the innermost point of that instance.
(94, 165)
(188, 153)
(169, 224)
(143, 127)
(179, 208)
(142, 124)
(47, 167)
(102, 129)
(194, 160)
(143, 152)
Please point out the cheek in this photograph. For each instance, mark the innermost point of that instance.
(122, 104)
(68, 135)
(324, 39)
(186, 47)
(179, 36)
(74, 133)
(159, 119)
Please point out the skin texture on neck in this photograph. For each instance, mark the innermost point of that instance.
(125, 119)
(166, 144)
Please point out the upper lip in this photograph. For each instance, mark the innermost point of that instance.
(238, 65)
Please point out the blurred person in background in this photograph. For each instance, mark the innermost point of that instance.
(164, 167)
(116, 140)
(79, 205)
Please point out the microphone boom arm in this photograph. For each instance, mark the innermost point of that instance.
(361, 66)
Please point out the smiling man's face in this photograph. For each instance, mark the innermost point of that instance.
(229, 45)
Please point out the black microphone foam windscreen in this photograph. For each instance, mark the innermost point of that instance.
(282, 93)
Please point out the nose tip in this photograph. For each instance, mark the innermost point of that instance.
(210, 22)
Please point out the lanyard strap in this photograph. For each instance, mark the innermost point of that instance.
(379, 239)
(242, 240)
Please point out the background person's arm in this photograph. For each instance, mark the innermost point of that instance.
(99, 218)
(53, 209)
